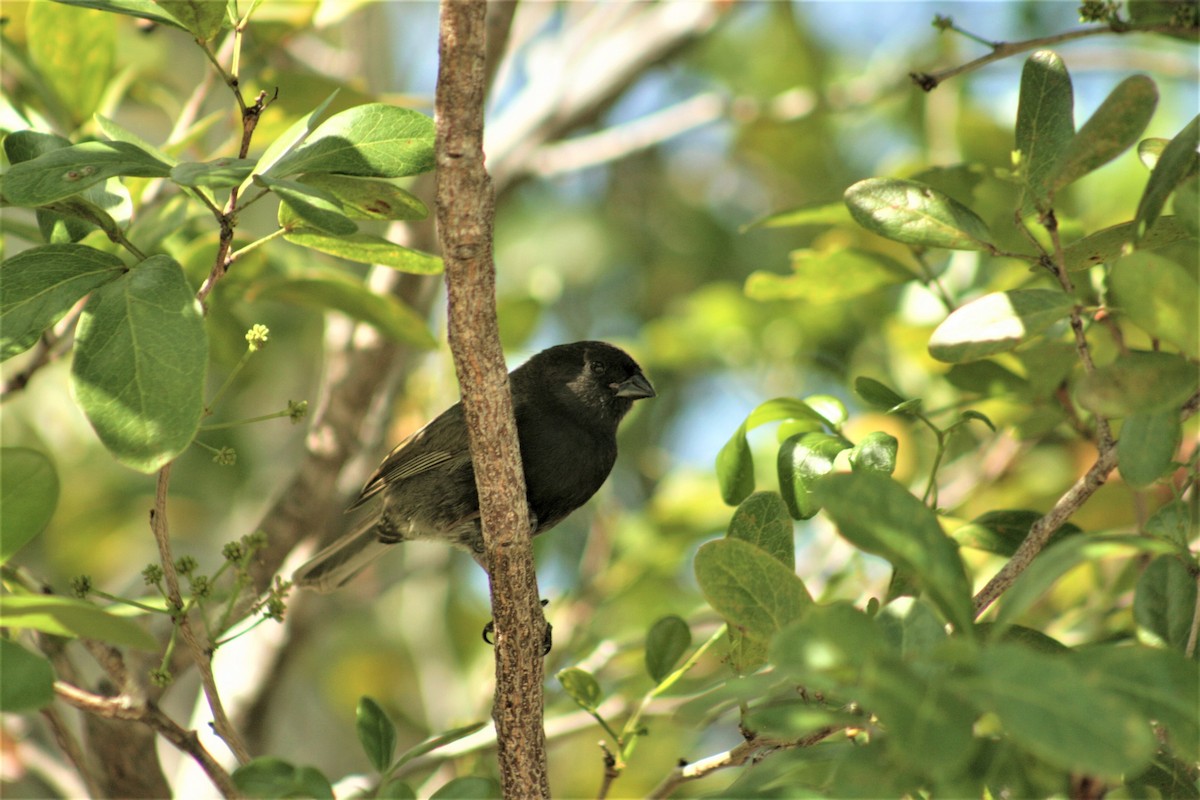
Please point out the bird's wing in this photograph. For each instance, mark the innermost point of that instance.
(442, 440)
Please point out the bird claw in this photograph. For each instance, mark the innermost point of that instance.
(547, 642)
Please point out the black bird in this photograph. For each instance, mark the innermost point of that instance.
(568, 401)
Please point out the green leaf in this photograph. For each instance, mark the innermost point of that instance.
(916, 214)
(996, 323)
(75, 53)
(65, 616)
(309, 205)
(1002, 531)
(878, 515)
(219, 174)
(1045, 704)
(735, 466)
(376, 733)
(292, 138)
(40, 285)
(1186, 207)
(1147, 447)
(666, 642)
(204, 19)
(829, 276)
(1056, 560)
(62, 173)
(374, 140)
(1172, 522)
(1161, 297)
(1177, 163)
(1110, 131)
(471, 787)
(749, 587)
(434, 742)
(368, 249)
(28, 496)
(802, 462)
(270, 777)
(1104, 247)
(831, 214)
(581, 687)
(361, 198)
(396, 790)
(1045, 120)
(1162, 684)
(828, 646)
(876, 394)
(384, 311)
(1137, 382)
(1164, 602)
(140, 357)
(28, 679)
(875, 453)
(142, 9)
(119, 133)
(762, 520)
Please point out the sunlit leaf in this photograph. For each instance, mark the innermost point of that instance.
(1177, 162)
(28, 496)
(313, 207)
(875, 452)
(374, 140)
(1138, 382)
(1105, 246)
(62, 173)
(66, 616)
(828, 276)
(1159, 296)
(75, 52)
(1110, 131)
(221, 173)
(996, 323)
(362, 198)
(1147, 447)
(916, 214)
(581, 687)
(749, 587)
(762, 520)
(802, 462)
(1045, 120)
(367, 249)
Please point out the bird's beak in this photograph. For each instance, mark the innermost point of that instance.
(635, 387)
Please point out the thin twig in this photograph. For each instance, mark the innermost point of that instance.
(1001, 50)
(752, 748)
(69, 744)
(200, 654)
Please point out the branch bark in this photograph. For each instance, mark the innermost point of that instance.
(465, 214)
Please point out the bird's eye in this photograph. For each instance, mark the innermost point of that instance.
(596, 367)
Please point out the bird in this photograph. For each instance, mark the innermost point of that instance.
(568, 401)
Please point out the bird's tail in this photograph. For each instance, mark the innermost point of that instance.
(334, 566)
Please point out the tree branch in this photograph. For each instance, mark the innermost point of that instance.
(465, 214)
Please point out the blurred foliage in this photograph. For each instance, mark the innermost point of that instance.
(716, 258)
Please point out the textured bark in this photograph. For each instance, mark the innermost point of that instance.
(465, 214)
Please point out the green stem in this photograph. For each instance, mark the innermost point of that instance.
(212, 404)
(220, 425)
(127, 602)
(257, 243)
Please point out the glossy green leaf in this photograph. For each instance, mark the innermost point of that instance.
(749, 587)
(434, 742)
(309, 205)
(1165, 601)
(142, 9)
(75, 53)
(1056, 560)
(1138, 382)
(140, 358)
(354, 299)
(916, 214)
(1147, 447)
(28, 497)
(469, 787)
(996, 323)
(376, 733)
(204, 19)
(28, 679)
(801, 463)
(581, 687)
(374, 140)
(1177, 162)
(1045, 120)
(66, 616)
(666, 642)
(878, 515)
(1110, 131)
(1162, 684)
(1045, 704)
(1002, 531)
(367, 249)
(218, 174)
(875, 452)
(40, 285)
(735, 466)
(119, 133)
(362, 198)
(1106, 246)
(830, 214)
(877, 394)
(1161, 297)
(829, 276)
(268, 777)
(762, 520)
(832, 410)
(62, 173)
(291, 139)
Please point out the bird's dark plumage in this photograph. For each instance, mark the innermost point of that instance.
(568, 401)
